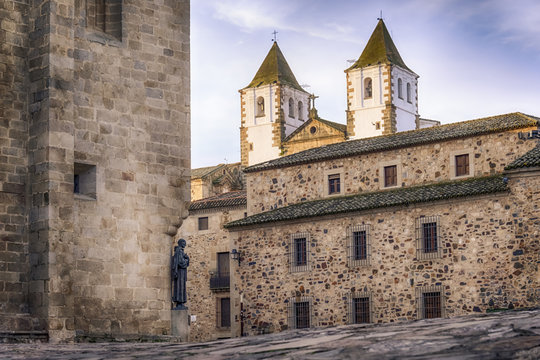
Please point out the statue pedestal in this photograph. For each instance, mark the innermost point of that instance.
(180, 324)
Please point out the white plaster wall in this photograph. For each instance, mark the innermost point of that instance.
(405, 111)
(268, 92)
(261, 138)
(367, 112)
(293, 122)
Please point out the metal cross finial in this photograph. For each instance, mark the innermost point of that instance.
(312, 97)
(275, 36)
(380, 18)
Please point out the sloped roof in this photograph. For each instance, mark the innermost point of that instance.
(228, 199)
(530, 159)
(204, 171)
(379, 199)
(380, 49)
(337, 126)
(275, 69)
(462, 129)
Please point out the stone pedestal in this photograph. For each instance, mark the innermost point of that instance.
(180, 324)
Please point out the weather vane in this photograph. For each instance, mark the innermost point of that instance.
(275, 36)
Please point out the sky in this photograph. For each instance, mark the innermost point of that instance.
(475, 58)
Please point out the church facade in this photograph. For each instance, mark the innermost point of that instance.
(94, 171)
(390, 217)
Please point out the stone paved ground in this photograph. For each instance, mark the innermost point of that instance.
(505, 335)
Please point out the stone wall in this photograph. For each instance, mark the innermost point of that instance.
(428, 163)
(489, 260)
(118, 104)
(202, 248)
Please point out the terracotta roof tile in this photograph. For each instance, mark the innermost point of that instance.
(228, 199)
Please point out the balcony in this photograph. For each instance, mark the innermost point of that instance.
(220, 281)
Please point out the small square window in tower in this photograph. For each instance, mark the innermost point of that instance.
(203, 223)
(84, 180)
(105, 16)
(334, 184)
(390, 176)
(462, 165)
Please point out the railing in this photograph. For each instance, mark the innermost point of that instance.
(220, 282)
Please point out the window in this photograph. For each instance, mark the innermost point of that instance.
(390, 176)
(291, 107)
(428, 237)
(462, 165)
(299, 252)
(300, 312)
(359, 245)
(430, 300)
(360, 308)
(220, 280)
(334, 186)
(409, 93)
(313, 130)
(400, 88)
(223, 312)
(368, 88)
(300, 111)
(203, 223)
(105, 16)
(260, 106)
(84, 181)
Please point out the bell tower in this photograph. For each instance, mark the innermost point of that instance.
(273, 105)
(381, 90)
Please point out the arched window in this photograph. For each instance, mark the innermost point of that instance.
(368, 88)
(400, 88)
(291, 107)
(260, 106)
(409, 92)
(300, 110)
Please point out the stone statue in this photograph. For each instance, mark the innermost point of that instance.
(179, 265)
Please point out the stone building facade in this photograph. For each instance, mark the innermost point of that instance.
(94, 164)
(431, 246)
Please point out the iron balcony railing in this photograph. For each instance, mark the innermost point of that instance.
(220, 281)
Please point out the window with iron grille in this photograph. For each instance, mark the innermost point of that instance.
(428, 237)
(220, 280)
(462, 165)
(203, 223)
(300, 312)
(299, 252)
(334, 184)
(430, 300)
(360, 308)
(390, 176)
(223, 312)
(359, 245)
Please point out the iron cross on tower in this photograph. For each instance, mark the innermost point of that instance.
(275, 36)
(312, 97)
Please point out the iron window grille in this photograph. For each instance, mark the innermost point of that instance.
(430, 302)
(300, 312)
(334, 184)
(360, 308)
(359, 248)
(299, 252)
(223, 313)
(462, 165)
(428, 238)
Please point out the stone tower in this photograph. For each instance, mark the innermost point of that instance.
(381, 90)
(94, 164)
(273, 105)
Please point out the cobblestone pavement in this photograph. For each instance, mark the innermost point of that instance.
(505, 335)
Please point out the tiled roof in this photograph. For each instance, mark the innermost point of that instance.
(379, 199)
(380, 49)
(201, 172)
(403, 139)
(275, 69)
(530, 159)
(228, 199)
(334, 125)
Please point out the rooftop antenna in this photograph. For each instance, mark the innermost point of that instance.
(305, 86)
(380, 17)
(350, 62)
(275, 35)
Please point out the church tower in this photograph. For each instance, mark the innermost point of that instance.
(381, 90)
(273, 105)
